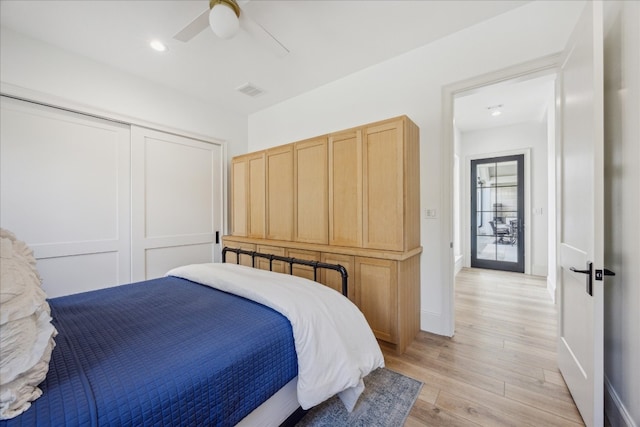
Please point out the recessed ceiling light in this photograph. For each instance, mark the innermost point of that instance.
(157, 45)
(495, 110)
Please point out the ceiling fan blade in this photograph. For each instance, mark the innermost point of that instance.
(262, 35)
(194, 28)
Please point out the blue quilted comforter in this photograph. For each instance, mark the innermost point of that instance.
(161, 352)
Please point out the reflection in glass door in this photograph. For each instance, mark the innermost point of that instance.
(497, 213)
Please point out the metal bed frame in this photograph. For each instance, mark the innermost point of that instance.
(291, 261)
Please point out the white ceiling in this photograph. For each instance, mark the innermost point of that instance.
(326, 39)
(519, 101)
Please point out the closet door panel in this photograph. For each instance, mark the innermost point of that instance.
(161, 260)
(65, 192)
(175, 185)
(79, 273)
(178, 188)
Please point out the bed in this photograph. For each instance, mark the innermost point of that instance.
(210, 344)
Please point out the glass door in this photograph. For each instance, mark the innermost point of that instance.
(497, 213)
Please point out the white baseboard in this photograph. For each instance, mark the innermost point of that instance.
(433, 322)
(457, 266)
(551, 288)
(539, 270)
(614, 409)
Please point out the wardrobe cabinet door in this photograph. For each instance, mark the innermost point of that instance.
(257, 196)
(383, 196)
(239, 196)
(377, 295)
(280, 193)
(345, 189)
(262, 263)
(311, 188)
(244, 259)
(304, 270)
(333, 279)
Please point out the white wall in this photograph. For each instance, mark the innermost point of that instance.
(622, 207)
(412, 84)
(31, 66)
(506, 140)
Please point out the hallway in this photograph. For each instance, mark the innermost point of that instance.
(500, 367)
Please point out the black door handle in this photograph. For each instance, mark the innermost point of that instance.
(580, 271)
(589, 274)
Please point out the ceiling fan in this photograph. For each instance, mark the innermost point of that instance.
(225, 18)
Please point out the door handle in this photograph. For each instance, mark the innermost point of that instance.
(580, 271)
(589, 273)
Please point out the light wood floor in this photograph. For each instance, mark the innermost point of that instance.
(500, 367)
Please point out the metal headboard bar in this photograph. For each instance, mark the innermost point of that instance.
(291, 261)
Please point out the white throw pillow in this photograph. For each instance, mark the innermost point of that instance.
(26, 332)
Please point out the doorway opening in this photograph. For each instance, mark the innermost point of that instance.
(497, 213)
(465, 145)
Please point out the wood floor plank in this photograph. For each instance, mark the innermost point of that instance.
(425, 414)
(554, 378)
(500, 367)
(550, 403)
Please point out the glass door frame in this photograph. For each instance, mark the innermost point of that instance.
(494, 264)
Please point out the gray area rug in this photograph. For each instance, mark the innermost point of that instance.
(386, 401)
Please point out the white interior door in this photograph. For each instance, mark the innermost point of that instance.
(580, 338)
(176, 201)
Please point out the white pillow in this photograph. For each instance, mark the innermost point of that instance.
(26, 332)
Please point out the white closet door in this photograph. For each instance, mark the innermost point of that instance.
(64, 190)
(176, 201)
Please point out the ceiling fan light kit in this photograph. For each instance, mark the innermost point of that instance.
(224, 18)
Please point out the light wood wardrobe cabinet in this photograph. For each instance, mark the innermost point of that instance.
(353, 198)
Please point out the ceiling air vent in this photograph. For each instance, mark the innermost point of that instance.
(250, 89)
